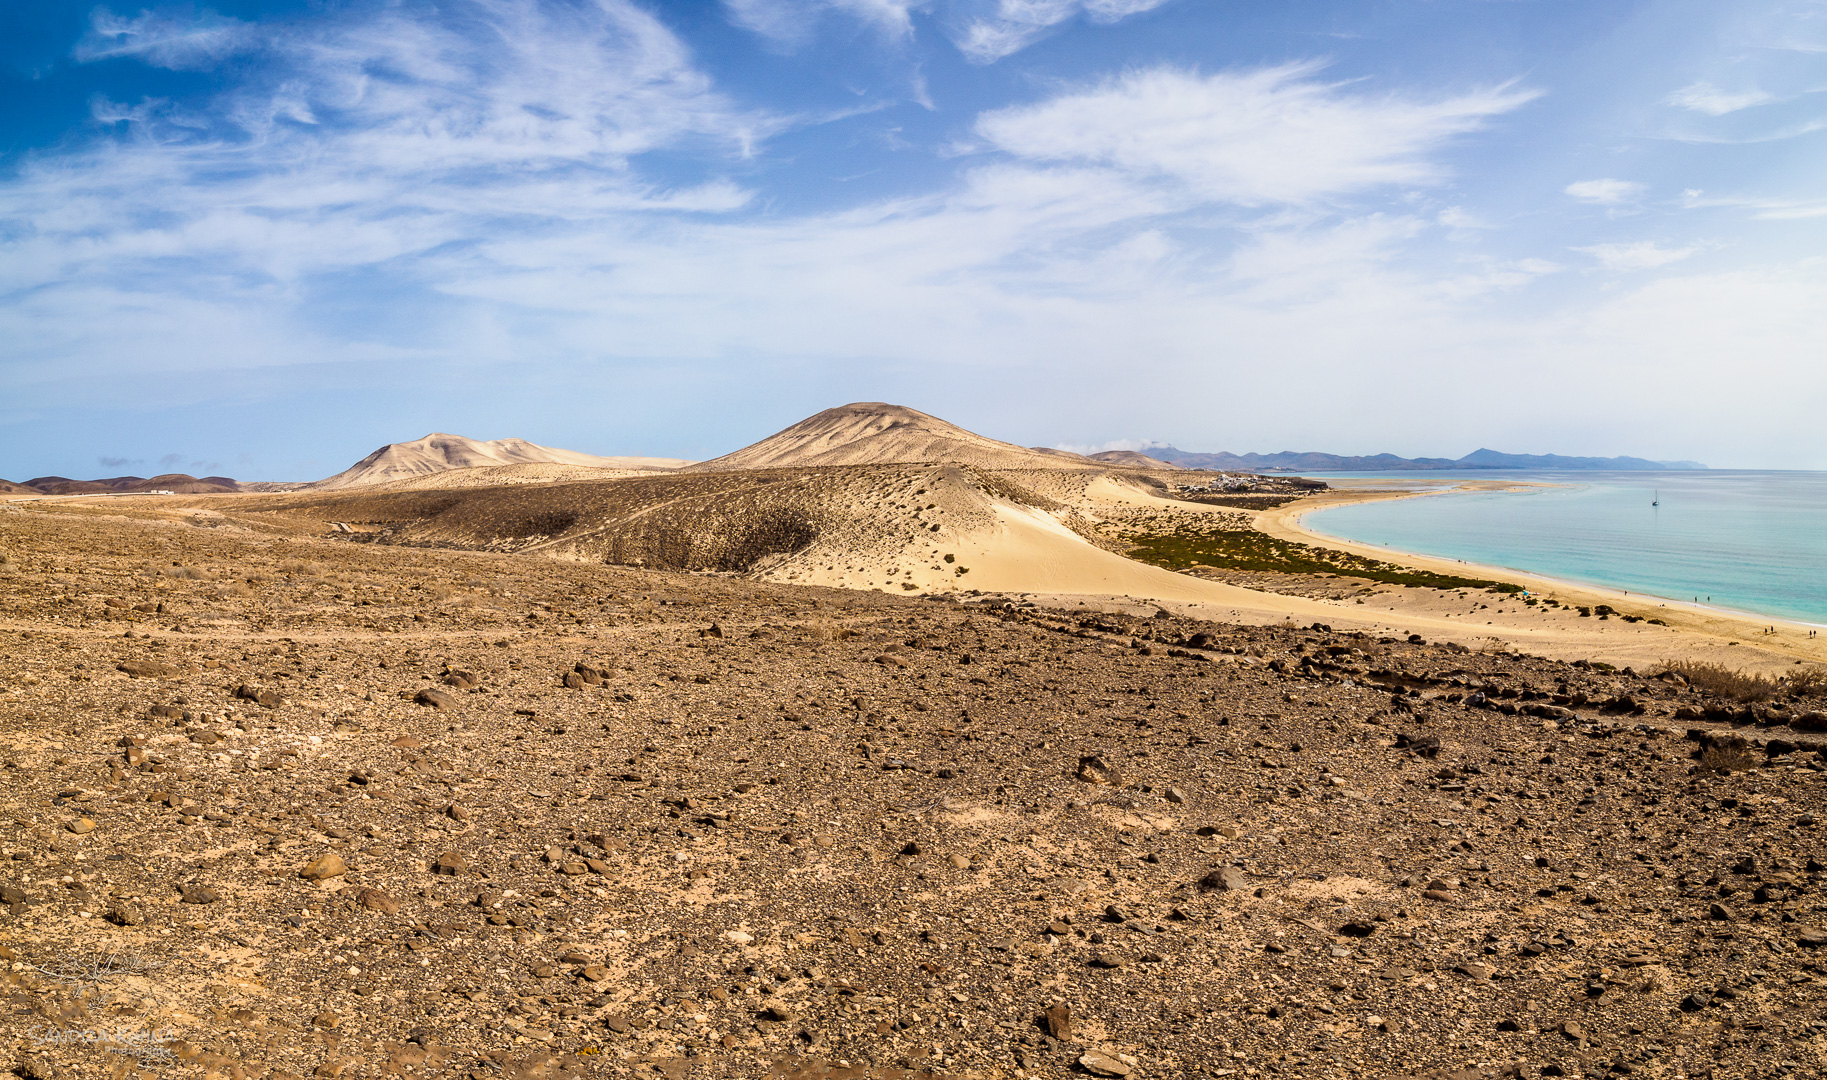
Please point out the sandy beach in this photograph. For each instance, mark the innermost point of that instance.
(1694, 631)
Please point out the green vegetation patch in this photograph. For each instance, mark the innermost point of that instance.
(1251, 550)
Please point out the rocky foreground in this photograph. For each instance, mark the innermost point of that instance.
(280, 806)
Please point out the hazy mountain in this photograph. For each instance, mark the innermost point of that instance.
(1290, 461)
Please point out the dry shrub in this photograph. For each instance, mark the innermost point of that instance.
(1805, 683)
(826, 630)
(178, 573)
(230, 589)
(1723, 681)
(1729, 757)
(1654, 979)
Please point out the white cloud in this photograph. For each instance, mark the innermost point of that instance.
(792, 21)
(162, 39)
(1639, 255)
(1255, 138)
(496, 197)
(1703, 97)
(1105, 447)
(1016, 24)
(483, 208)
(1458, 218)
(374, 139)
(1605, 192)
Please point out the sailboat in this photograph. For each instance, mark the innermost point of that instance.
(1657, 501)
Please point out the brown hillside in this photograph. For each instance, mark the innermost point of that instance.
(185, 484)
(1132, 459)
(875, 433)
(63, 485)
(440, 452)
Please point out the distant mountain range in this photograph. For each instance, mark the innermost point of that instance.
(182, 483)
(1289, 461)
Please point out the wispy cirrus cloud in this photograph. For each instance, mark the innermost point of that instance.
(1013, 25)
(1257, 137)
(181, 41)
(985, 31)
(1606, 192)
(487, 201)
(792, 22)
(385, 136)
(1704, 97)
(1635, 255)
(1761, 207)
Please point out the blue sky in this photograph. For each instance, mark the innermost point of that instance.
(261, 238)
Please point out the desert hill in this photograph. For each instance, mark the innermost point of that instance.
(533, 472)
(1132, 459)
(182, 483)
(905, 527)
(440, 452)
(875, 433)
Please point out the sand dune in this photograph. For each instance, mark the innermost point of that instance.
(874, 433)
(439, 452)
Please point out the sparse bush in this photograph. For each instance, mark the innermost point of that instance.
(826, 630)
(1723, 681)
(1250, 550)
(177, 572)
(540, 523)
(1728, 757)
(1808, 682)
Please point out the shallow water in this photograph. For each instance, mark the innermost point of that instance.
(1748, 541)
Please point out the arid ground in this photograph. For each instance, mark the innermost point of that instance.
(280, 803)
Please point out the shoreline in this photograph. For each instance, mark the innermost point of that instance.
(1717, 629)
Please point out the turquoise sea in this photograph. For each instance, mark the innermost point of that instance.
(1747, 541)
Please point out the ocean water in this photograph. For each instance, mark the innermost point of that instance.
(1752, 542)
